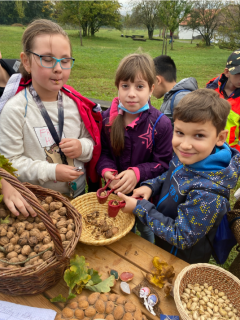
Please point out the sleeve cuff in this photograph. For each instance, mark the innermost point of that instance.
(108, 169)
(136, 171)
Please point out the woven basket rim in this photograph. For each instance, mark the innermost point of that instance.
(103, 242)
(181, 275)
(61, 257)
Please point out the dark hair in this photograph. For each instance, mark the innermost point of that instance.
(165, 67)
(203, 105)
(128, 69)
(34, 29)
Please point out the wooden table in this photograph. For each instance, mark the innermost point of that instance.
(131, 253)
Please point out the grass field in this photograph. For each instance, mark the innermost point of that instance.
(98, 58)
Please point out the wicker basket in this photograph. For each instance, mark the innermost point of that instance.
(234, 220)
(206, 273)
(38, 278)
(88, 203)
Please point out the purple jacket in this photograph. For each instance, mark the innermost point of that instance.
(139, 151)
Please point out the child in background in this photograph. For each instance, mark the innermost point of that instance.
(193, 193)
(165, 84)
(128, 148)
(43, 127)
(228, 87)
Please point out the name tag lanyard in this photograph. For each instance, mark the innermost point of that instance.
(48, 120)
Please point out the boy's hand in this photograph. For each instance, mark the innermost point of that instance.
(127, 182)
(72, 148)
(130, 203)
(14, 200)
(144, 192)
(66, 173)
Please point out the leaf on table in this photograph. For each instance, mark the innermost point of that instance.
(6, 220)
(59, 298)
(159, 264)
(71, 296)
(168, 273)
(95, 277)
(155, 279)
(103, 286)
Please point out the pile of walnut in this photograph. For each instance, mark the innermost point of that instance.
(204, 302)
(101, 306)
(100, 227)
(23, 238)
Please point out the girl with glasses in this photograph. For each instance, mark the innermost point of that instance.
(43, 128)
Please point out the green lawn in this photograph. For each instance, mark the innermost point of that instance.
(96, 63)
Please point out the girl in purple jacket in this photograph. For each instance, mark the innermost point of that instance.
(136, 138)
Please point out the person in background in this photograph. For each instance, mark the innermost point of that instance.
(228, 87)
(7, 68)
(193, 194)
(165, 84)
(136, 137)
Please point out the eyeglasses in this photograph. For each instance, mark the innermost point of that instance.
(50, 62)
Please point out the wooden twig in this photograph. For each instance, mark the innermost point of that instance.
(22, 262)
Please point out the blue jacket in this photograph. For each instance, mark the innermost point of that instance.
(192, 200)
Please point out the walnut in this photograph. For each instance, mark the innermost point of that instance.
(12, 229)
(32, 254)
(41, 226)
(11, 255)
(69, 221)
(129, 307)
(79, 314)
(15, 239)
(62, 211)
(33, 241)
(128, 316)
(48, 199)
(55, 206)
(21, 257)
(61, 224)
(47, 255)
(3, 231)
(69, 235)
(46, 207)
(10, 234)
(109, 234)
(109, 307)
(54, 221)
(73, 305)
(113, 297)
(71, 226)
(25, 234)
(2, 255)
(38, 220)
(44, 247)
(104, 296)
(83, 304)
(93, 297)
(55, 215)
(100, 306)
(3, 213)
(9, 247)
(63, 230)
(22, 241)
(109, 317)
(46, 240)
(4, 241)
(67, 313)
(90, 312)
(20, 230)
(26, 250)
(118, 312)
(38, 247)
(17, 248)
(21, 217)
(63, 237)
(63, 218)
(19, 224)
(29, 226)
(121, 300)
(14, 259)
(31, 219)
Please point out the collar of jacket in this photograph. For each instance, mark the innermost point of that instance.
(221, 84)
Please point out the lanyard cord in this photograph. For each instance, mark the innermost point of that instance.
(48, 120)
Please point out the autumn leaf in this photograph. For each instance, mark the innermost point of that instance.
(95, 277)
(103, 286)
(159, 264)
(4, 221)
(156, 280)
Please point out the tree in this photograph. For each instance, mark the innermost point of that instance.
(229, 29)
(146, 13)
(171, 13)
(205, 17)
(89, 15)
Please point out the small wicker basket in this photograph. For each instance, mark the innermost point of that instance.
(88, 203)
(38, 278)
(206, 273)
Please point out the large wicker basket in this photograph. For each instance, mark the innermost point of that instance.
(38, 278)
(88, 203)
(206, 273)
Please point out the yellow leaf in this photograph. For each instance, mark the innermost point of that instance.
(158, 264)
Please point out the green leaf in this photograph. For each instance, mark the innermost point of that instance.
(4, 221)
(78, 272)
(59, 298)
(104, 286)
(95, 277)
(71, 296)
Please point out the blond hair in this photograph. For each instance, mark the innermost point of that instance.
(130, 67)
(34, 29)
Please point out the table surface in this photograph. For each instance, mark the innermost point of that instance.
(132, 253)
